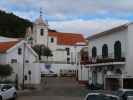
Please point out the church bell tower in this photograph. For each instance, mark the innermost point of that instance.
(40, 31)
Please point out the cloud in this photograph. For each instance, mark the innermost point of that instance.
(76, 7)
(80, 16)
(86, 27)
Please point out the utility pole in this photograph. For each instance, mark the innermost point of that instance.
(23, 65)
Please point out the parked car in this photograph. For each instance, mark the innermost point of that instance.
(67, 73)
(7, 91)
(49, 74)
(101, 96)
(125, 94)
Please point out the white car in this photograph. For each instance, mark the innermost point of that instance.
(7, 91)
(101, 96)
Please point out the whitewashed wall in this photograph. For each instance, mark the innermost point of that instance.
(129, 60)
(38, 39)
(35, 73)
(13, 54)
(3, 58)
(57, 67)
(83, 73)
(110, 41)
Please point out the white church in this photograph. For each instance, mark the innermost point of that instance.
(65, 47)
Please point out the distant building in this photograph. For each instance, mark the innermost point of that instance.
(15, 51)
(64, 46)
(110, 60)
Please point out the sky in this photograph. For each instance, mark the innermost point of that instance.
(87, 17)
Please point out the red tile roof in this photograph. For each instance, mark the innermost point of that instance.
(67, 38)
(4, 46)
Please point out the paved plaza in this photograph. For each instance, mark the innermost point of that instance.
(53, 88)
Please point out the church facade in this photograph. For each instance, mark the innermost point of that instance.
(65, 47)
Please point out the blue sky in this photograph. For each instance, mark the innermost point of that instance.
(79, 16)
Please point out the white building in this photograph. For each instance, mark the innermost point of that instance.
(22, 59)
(15, 51)
(110, 58)
(64, 46)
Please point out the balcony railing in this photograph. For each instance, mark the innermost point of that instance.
(98, 60)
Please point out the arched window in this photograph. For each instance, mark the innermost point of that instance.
(117, 49)
(105, 51)
(94, 52)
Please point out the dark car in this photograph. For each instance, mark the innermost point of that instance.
(95, 86)
(125, 94)
(100, 96)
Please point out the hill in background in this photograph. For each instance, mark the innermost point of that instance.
(12, 25)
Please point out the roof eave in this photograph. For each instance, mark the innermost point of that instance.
(110, 31)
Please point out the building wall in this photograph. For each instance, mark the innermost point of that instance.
(38, 38)
(129, 60)
(52, 45)
(2, 58)
(13, 54)
(110, 41)
(83, 73)
(34, 78)
(127, 48)
(60, 53)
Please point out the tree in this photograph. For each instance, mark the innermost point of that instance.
(42, 50)
(5, 71)
(46, 52)
(37, 49)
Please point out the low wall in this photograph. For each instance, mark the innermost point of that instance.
(56, 68)
(83, 74)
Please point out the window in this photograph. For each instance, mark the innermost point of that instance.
(52, 40)
(94, 52)
(25, 77)
(19, 51)
(7, 87)
(41, 32)
(117, 49)
(27, 61)
(105, 51)
(13, 60)
(68, 60)
(68, 51)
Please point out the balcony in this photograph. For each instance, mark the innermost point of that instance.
(103, 61)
